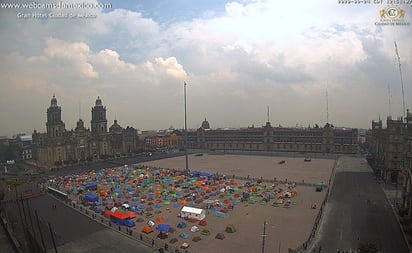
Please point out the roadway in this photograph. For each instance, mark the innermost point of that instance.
(358, 211)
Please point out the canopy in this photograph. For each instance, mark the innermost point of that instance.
(163, 228)
(147, 230)
(92, 197)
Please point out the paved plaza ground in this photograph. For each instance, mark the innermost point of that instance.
(286, 227)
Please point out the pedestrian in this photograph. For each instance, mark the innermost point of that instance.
(152, 243)
(320, 249)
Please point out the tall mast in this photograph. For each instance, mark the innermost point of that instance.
(400, 73)
(327, 107)
(389, 99)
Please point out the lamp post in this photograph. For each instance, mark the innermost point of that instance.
(264, 237)
(185, 136)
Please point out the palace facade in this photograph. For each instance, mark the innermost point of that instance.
(327, 139)
(59, 146)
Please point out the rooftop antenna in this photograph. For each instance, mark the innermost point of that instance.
(268, 115)
(327, 106)
(389, 99)
(400, 73)
(80, 109)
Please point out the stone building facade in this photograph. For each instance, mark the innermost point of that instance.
(59, 146)
(387, 148)
(327, 139)
(406, 203)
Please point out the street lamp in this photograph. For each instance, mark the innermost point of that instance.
(264, 236)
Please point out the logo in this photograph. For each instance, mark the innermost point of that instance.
(392, 15)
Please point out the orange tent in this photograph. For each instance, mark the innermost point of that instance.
(160, 219)
(147, 230)
(183, 202)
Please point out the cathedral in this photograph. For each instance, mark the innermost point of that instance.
(59, 146)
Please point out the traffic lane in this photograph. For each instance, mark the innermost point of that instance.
(65, 221)
(75, 232)
(359, 212)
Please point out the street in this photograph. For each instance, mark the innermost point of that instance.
(358, 211)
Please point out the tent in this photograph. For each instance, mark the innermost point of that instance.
(185, 245)
(90, 197)
(192, 212)
(319, 187)
(202, 223)
(230, 228)
(184, 235)
(220, 236)
(194, 229)
(147, 230)
(205, 232)
(91, 187)
(163, 228)
(181, 224)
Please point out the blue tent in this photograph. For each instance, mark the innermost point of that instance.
(194, 173)
(184, 235)
(91, 187)
(181, 224)
(208, 175)
(163, 228)
(90, 197)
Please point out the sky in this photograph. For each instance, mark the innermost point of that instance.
(310, 62)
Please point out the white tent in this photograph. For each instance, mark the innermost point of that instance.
(194, 229)
(191, 212)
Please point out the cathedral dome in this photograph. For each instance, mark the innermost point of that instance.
(115, 127)
(205, 124)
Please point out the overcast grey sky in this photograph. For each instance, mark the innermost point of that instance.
(237, 58)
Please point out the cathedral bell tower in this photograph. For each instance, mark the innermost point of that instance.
(55, 126)
(99, 121)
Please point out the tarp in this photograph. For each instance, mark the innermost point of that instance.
(91, 186)
(90, 197)
(120, 216)
(147, 229)
(163, 228)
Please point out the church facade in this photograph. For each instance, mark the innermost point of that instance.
(59, 146)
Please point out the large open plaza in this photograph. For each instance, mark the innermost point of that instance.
(281, 192)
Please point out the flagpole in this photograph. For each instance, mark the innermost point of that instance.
(185, 136)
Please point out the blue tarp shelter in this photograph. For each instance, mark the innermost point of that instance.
(90, 197)
(91, 187)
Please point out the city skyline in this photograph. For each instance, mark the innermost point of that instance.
(237, 59)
